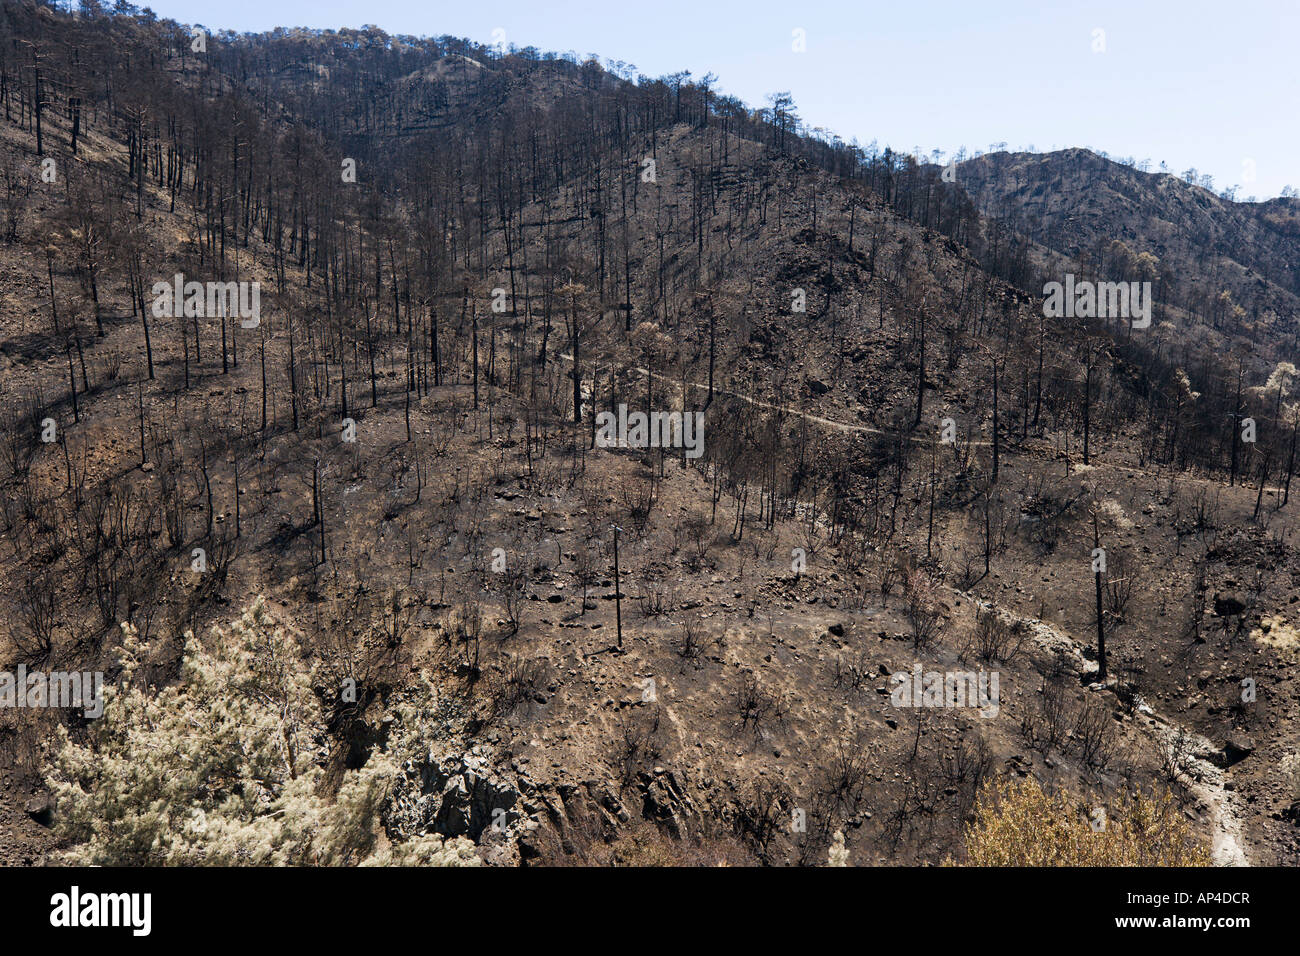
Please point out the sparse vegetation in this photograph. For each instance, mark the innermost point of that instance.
(1017, 824)
(904, 463)
(223, 768)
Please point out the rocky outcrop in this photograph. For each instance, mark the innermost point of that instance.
(666, 802)
(458, 795)
(512, 817)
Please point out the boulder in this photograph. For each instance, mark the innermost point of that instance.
(1238, 747)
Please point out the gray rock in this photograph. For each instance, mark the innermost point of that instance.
(40, 808)
(1238, 747)
(453, 796)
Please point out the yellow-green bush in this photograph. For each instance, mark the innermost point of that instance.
(1017, 824)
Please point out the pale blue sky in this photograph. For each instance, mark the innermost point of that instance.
(1191, 82)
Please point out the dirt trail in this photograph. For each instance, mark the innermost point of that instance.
(1078, 468)
(1206, 781)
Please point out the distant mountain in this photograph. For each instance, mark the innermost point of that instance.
(461, 256)
(1104, 214)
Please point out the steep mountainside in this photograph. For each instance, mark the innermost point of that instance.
(462, 259)
(1078, 204)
